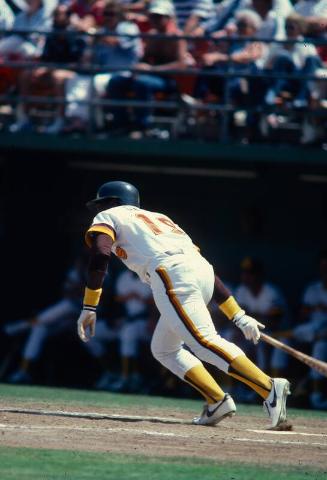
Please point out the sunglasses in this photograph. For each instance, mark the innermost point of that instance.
(156, 15)
(242, 25)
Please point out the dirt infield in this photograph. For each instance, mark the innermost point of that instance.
(240, 439)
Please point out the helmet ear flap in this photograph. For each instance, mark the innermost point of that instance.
(98, 205)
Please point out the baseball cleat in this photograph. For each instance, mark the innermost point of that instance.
(275, 404)
(215, 413)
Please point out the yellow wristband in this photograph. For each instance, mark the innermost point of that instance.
(92, 297)
(230, 307)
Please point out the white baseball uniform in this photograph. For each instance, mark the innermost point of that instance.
(315, 296)
(269, 297)
(134, 328)
(182, 283)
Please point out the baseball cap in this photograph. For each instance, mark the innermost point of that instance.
(162, 7)
(251, 264)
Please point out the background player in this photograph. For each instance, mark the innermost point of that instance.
(53, 320)
(264, 301)
(129, 330)
(182, 283)
(314, 330)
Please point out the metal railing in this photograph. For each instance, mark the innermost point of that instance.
(225, 107)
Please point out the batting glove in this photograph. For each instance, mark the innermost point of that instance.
(86, 325)
(248, 325)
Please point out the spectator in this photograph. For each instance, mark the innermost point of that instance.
(51, 321)
(59, 48)
(242, 57)
(266, 303)
(7, 17)
(87, 14)
(292, 58)
(108, 52)
(314, 330)
(159, 56)
(191, 14)
(28, 45)
(315, 13)
(271, 12)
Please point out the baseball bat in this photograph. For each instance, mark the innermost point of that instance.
(312, 362)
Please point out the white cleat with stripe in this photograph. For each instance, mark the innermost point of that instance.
(275, 404)
(215, 413)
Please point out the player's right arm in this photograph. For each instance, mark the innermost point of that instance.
(229, 306)
(100, 244)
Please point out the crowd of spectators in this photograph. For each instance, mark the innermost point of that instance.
(120, 350)
(78, 51)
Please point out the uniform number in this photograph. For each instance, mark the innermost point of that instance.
(155, 225)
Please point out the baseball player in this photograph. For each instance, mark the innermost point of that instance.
(314, 329)
(182, 284)
(264, 301)
(50, 321)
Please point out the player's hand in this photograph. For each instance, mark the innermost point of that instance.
(86, 325)
(249, 326)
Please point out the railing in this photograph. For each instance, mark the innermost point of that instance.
(225, 108)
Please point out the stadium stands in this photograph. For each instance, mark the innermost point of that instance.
(244, 71)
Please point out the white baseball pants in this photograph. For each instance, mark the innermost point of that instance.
(182, 287)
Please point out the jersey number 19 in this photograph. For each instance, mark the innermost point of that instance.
(159, 222)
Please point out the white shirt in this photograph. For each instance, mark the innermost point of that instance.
(185, 8)
(127, 284)
(268, 297)
(141, 238)
(299, 52)
(315, 296)
(312, 8)
(39, 21)
(6, 16)
(273, 26)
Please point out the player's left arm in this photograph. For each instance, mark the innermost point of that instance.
(101, 245)
(229, 306)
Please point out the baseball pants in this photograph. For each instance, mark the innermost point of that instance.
(182, 287)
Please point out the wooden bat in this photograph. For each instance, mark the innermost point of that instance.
(314, 363)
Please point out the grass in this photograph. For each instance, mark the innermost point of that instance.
(92, 399)
(42, 464)
(33, 464)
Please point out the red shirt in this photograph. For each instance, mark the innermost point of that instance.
(82, 8)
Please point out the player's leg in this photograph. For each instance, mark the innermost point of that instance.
(97, 347)
(190, 319)
(61, 310)
(168, 348)
(318, 397)
(31, 352)
(130, 376)
(130, 348)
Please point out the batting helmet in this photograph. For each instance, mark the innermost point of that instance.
(124, 192)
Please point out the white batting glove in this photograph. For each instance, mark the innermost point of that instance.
(248, 325)
(86, 325)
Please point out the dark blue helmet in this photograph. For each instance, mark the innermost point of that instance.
(123, 192)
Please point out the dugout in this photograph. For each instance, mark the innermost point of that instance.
(265, 201)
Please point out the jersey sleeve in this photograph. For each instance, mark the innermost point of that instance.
(277, 299)
(309, 296)
(123, 286)
(102, 223)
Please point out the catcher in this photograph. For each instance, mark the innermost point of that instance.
(182, 284)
